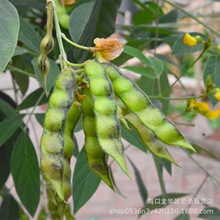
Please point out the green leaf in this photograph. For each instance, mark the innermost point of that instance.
(79, 125)
(8, 127)
(28, 36)
(141, 186)
(82, 13)
(40, 118)
(9, 209)
(210, 213)
(180, 48)
(132, 51)
(19, 51)
(94, 19)
(85, 182)
(133, 138)
(157, 65)
(32, 98)
(145, 16)
(25, 172)
(6, 108)
(29, 3)
(9, 27)
(166, 164)
(51, 75)
(161, 201)
(150, 87)
(5, 155)
(211, 69)
(22, 81)
(144, 71)
(183, 216)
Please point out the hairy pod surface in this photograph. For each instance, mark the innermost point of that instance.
(107, 123)
(47, 44)
(56, 146)
(43, 64)
(138, 103)
(96, 157)
(146, 135)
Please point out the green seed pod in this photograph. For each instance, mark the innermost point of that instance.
(43, 64)
(47, 44)
(72, 118)
(56, 146)
(138, 103)
(52, 205)
(146, 135)
(96, 157)
(107, 124)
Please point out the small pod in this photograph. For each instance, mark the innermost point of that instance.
(138, 103)
(146, 135)
(96, 157)
(56, 147)
(47, 42)
(107, 124)
(43, 64)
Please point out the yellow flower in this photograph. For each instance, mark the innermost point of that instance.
(108, 48)
(217, 95)
(213, 114)
(203, 108)
(189, 40)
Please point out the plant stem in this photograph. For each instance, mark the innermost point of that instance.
(198, 190)
(75, 64)
(189, 14)
(160, 176)
(178, 78)
(75, 44)
(182, 98)
(12, 68)
(59, 38)
(185, 124)
(201, 167)
(36, 104)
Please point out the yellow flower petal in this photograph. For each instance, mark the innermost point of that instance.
(213, 114)
(191, 103)
(202, 107)
(217, 95)
(109, 48)
(189, 40)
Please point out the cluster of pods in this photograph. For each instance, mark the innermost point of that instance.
(105, 99)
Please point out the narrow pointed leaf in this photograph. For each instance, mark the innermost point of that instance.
(9, 209)
(85, 182)
(134, 52)
(141, 186)
(132, 137)
(25, 172)
(32, 99)
(8, 126)
(28, 36)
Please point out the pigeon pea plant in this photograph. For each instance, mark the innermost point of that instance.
(65, 46)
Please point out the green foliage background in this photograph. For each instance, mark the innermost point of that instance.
(22, 26)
